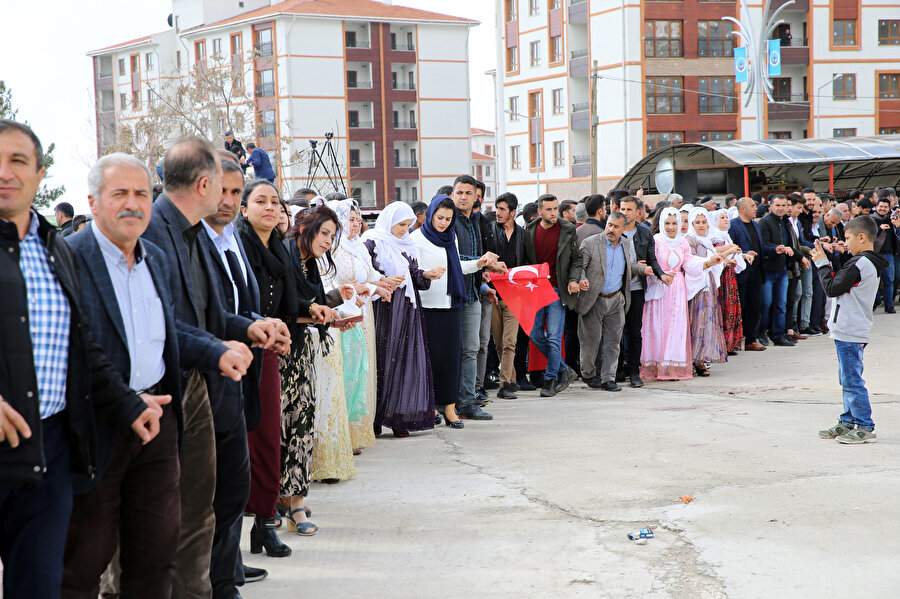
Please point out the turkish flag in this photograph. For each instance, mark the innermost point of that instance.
(525, 289)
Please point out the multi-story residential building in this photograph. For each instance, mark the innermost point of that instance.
(390, 83)
(484, 163)
(666, 76)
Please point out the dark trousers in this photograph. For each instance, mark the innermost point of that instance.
(793, 302)
(232, 492)
(750, 294)
(817, 312)
(34, 518)
(137, 501)
(265, 442)
(573, 347)
(630, 353)
(521, 360)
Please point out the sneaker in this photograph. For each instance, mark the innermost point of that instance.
(549, 389)
(595, 382)
(636, 381)
(481, 395)
(835, 431)
(473, 413)
(856, 437)
(506, 392)
(763, 339)
(525, 385)
(565, 377)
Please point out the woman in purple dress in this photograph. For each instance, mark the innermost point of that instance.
(405, 388)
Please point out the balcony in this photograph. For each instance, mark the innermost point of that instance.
(359, 84)
(795, 52)
(399, 85)
(361, 125)
(404, 124)
(264, 49)
(362, 164)
(789, 108)
(578, 12)
(406, 164)
(580, 119)
(360, 45)
(579, 64)
(797, 5)
(581, 165)
(578, 53)
(403, 47)
(265, 90)
(265, 130)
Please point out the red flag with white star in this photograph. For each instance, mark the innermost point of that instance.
(525, 289)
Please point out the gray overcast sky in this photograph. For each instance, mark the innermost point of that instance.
(44, 63)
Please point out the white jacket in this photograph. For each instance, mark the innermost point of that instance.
(431, 256)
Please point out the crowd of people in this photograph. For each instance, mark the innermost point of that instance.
(204, 350)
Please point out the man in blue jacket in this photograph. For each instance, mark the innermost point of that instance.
(262, 166)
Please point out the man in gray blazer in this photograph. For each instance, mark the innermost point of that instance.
(603, 302)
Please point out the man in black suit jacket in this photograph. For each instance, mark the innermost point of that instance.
(126, 292)
(775, 232)
(193, 189)
(744, 231)
(644, 248)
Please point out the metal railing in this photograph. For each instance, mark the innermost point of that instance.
(793, 43)
(406, 164)
(362, 124)
(578, 53)
(362, 164)
(404, 124)
(403, 47)
(266, 130)
(359, 84)
(791, 97)
(265, 90)
(264, 49)
(401, 85)
(581, 107)
(581, 159)
(363, 45)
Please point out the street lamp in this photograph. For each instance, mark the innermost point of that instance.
(818, 108)
(537, 171)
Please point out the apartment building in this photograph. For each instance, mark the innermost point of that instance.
(484, 163)
(666, 75)
(390, 82)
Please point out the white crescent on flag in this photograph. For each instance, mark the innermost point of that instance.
(513, 271)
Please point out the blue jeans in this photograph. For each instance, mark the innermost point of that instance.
(806, 297)
(549, 323)
(887, 282)
(857, 409)
(471, 342)
(774, 292)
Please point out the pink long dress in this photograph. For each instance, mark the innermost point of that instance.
(666, 348)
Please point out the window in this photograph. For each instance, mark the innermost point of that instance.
(656, 141)
(415, 194)
(200, 51)
(537, 156)
(512, 59)
(121, 67)
(559, 153)
(488, 150)
(888, 32)
(779, 135)
(237, 45)
(844, 132)
(412, 119)
(350, 39)
(354, 157)
(511, 10)
(557, 101)
(148, 60)
(515, 161)
(844, 87)
(267, 123)
(556, 49)
(534, 7)
(781, 89)
(889, 130)
(123, 101)
(662, 39)
(487, 171)
(534, 104)
(396, 120)
(178, 59)
(265, 84)
(136, 100)
(264, 42)
(135, 64)
(721, 96)
(397, 193)
(514, 108)
(714, 39)
(554, 4)
(217, 47)
(664, 95)
(535, 49)
(479, 173)
(844, 33)
(413, 159)
(351, 78)
(353, 118)
(717, 135)
(889, 86)
(106, 101)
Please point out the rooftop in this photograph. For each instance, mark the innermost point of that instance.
(479, 156)
(133, 42)
(477, 131)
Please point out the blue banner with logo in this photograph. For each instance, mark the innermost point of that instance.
(774, 58)
(740, 65)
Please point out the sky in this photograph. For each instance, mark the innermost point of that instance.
(51, 78)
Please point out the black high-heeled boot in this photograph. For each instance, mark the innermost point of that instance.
(263, 535)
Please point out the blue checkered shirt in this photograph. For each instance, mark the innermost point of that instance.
(49, 315)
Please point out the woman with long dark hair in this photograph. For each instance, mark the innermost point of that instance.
(257, 226)
(309, 239)
(405, 389)
(442, 303)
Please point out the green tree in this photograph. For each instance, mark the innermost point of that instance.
(46, 195)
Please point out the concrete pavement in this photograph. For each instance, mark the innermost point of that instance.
(537, 502)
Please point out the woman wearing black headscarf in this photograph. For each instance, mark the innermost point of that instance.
(442, 302)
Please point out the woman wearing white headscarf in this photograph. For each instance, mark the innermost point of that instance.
(666, 350)
(732, 323)
(704, 312)
(405, 388)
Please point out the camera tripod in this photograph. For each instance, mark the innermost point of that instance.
(327, 160)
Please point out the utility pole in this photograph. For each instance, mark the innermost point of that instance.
(594, 121)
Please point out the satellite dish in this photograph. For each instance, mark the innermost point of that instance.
(169, 20)
(664, 175)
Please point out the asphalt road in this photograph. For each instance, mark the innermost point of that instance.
(537, 503)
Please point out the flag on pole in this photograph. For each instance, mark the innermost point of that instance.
(740, 65)
(774, 58)
(525, 289)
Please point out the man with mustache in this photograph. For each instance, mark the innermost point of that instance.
(126, 293)
(605, 282)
